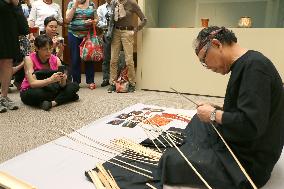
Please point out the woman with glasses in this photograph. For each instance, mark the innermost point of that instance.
(251, 120)
(45, 85)
(50, 29)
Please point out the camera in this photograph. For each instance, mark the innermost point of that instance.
(107, 16)
(62, 69)
(61, 40)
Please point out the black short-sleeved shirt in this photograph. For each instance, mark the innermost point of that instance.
(253, 122)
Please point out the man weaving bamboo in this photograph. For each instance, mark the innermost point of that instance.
(251, 120)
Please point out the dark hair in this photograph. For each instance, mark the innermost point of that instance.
(222, 34)
(42, 41)
(49, 19)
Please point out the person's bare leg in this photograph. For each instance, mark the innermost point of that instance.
(6, 75)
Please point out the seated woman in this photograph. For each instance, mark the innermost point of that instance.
(52, 90)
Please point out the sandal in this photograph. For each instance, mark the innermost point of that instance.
(92, 86)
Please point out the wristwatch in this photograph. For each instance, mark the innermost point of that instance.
(213, 115)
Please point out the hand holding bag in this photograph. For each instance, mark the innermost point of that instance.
(91, 48)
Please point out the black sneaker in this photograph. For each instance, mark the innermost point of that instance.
(111, 89)
(131, 88)
(105, 83)
(2, 108)
(46, 105)
(76, 97)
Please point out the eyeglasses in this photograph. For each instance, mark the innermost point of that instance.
(202, 60)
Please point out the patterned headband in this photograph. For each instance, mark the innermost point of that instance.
(203, 42)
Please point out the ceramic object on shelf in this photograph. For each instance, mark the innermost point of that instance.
(204, 22)
(245, 22)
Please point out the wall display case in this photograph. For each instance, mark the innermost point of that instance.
(165, 54)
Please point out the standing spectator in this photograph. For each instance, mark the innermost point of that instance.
(124, 33)
(42, 9)
(26, 6)
(104, 12)
(9, 49)
(81, 16)
(25, 48)
(50, 29)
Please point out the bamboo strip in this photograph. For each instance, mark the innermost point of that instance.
(235, 158)
(106, 175)
(129, 169)
(188, 162)
(151, 186)
(95, 179)
(104, 180)
(113, 179)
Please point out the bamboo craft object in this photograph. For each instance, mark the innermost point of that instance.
(235, 158)
(127, 155)
(9, 182)
(109, 161)
(98, 151)
(107, 177)
(188, 162)
(128, 144)
(184, 157)
(96, 180)
(150, 186)
(227, 146)
(124, 153)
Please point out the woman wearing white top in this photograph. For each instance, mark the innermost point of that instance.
(42, 9)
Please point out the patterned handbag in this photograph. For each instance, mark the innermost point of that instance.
(122, 83)
(91, 48)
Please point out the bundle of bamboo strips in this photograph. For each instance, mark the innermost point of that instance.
(102, 179)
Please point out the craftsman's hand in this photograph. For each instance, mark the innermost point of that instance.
(204, 111)
(211, 104)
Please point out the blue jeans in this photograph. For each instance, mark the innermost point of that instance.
(74, 43)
